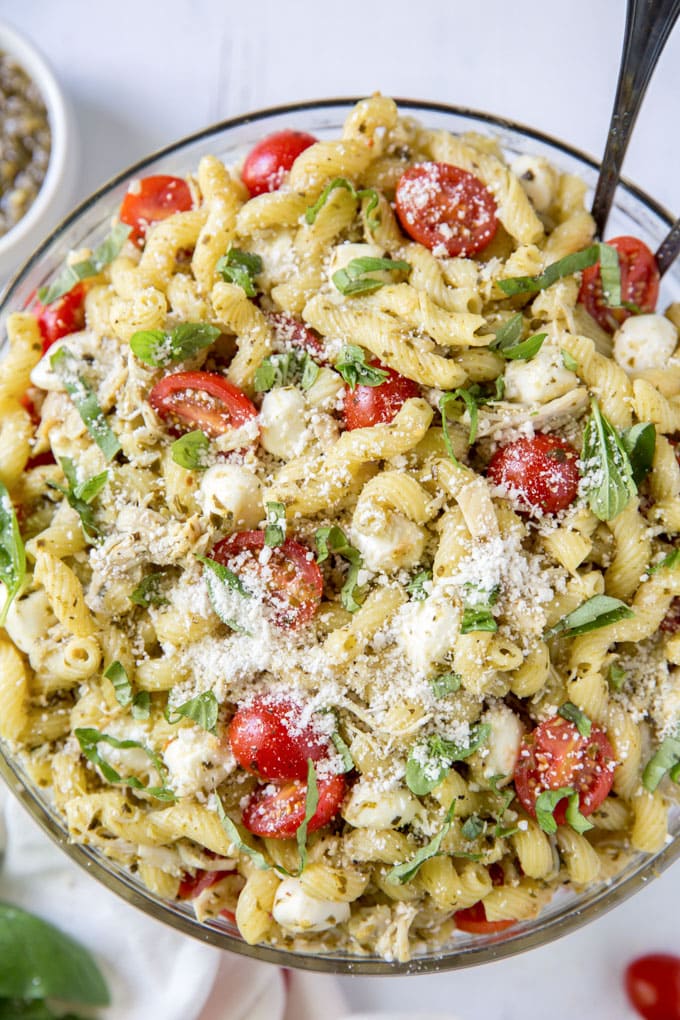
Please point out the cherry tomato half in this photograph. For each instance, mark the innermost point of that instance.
(541, 472)
(555, 754)
(65, 315)
(153, 199)
(639, 284)
(653, 986)
(293, 332)
(365, 406)
(446, 208)
(291, 578)
(277, 811)
(473, 920)
(268, 163)
(267, 738)
(192, 886)
(201, 400)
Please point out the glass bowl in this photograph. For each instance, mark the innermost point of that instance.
(634, 213)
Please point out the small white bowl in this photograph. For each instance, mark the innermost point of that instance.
(57, 190)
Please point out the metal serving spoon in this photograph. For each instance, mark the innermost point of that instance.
(648, 26)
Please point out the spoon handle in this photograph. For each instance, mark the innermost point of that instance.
(648, 25)
(669, 248)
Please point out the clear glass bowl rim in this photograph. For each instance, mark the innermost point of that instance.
(116, 879)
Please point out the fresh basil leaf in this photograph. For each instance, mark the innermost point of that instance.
(291, 368)
(546, 803)
(445, 400)
(101, 257)
(12, 554)
(191, 451)
(639, 442)
(275, 531)
(669, 562)
(265, 376)
(445, 684)
(148, 593)
(403, 873)
(39, 961)
(241, 268)
(598, 611)
(333, 540)
(343, 750)
(608, 477)
(310, 372)
(354, 369)
(473, 397)
(371, 194)
(666, 759)
(156, 348)
(32, 1009)
(203, 710)
(431, 758)
(141, 705)
(527, 350)
(509, 343)
(258, 859)
(473, 827)
(311, 804)
(509, 333)
(416, 586)
(85, 399)
(216, 577)
(477, 610)
(610, 274)
(571, 364)
(566, 266)
(616, 676)
(572, 713)
(89, 740)
(353, 279)
(81, 495)
(120, 681)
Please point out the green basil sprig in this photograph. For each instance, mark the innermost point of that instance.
(333, 540)
(83, 396)
(89, 740)
(598, 611)
(639, 442)
(372, 220)
(353, 279)
(140, 703)
(81, 495)
(148, 592)
(191, 451)
(430, 759)
(202, 709)
(567, 266)
(508, 341)
(101, 257)
(156, 348)
(665, 760)
(291, 368)
(275, 531)
(608, 476)
(241, 268)
(355, 370)
(12, 554)
(546, 803)
(403, 873)
(572, 713)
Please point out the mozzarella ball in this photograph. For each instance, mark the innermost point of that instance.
(645, 341)
(369, 806)
(232, 492)
(542, 379)
(503, 743)
(399, 545)
(284, 432)
(343, 254)
(427, 630)
(299, 913)
(538, 179)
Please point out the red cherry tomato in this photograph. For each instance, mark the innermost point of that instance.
(277, 811)
(153, 199)
(192, 886)
(268, 738)
(554, 755)
(65, 315)
(671, 621)
(639, 284)
(653, 986)
(201, 400)
(446, 208)
(291, 577)
(542, 472)
(368, 405)
(294, 332)
(473, 920)
(268, 163)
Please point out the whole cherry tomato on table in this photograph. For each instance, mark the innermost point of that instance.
(269, 161)
(268, 738)
(65, 315)
(365, 406)
(653, 986)
(201, 400)
(639, 284)
(278, 810)
(445, 208)
(542, 472)
(152, 199)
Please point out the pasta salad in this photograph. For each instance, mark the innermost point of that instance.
(339, 504)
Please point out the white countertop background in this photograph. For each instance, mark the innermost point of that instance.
(141, 75)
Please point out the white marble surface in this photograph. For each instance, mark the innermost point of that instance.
(143, 74)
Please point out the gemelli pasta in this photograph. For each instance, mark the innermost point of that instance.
(339, 505)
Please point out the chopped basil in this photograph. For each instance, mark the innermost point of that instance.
(225, 575)
(234, 835)
(70, 275)
(506, 797)
(216, 577)
(311, 803)
(572, 713)
(353, 279)
(431, 758)
(598, 611)
(141, 705)
(89, 740)
(508, 341)
(616, 676)
(343, 750)
(473, 397)
(371, 194)
(120, 682)
(416, 586)
(639, 442)
(275, 531)
(354, 369)
(608, 480)
(147, 593)
(477, 610)
(288, 369)
(666, 759)
(12, 554)
(241, 268)
(403, 873)
(571, 364)
(156, 348)
(191, 451)
(668, 562)
(546, 803)
(81, 494)
(333, 540)
(566, 266)
(445, 684)
(203, 710)
(473, 827)
(610, 274)
(85, 399)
